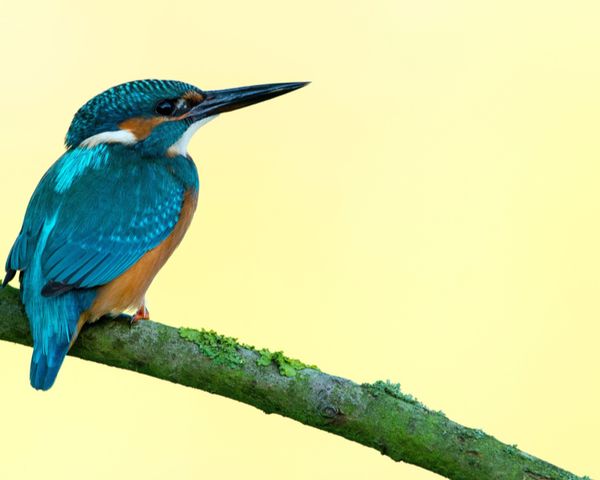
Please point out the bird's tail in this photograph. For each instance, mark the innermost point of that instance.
(53, 316)
(54, 325)
(45, 366)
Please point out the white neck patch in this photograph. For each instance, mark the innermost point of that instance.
(181, 145)
(118, 136)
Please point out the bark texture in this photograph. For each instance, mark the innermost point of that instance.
(376, 415)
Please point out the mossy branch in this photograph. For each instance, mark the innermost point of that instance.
(376, 415)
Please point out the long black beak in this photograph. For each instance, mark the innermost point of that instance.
(219, 101)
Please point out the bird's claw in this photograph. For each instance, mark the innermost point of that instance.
(141, 314)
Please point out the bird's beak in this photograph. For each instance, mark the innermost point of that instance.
(219, 101)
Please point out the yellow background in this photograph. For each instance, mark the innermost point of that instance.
(426, 211)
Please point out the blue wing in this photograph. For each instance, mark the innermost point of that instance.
(110, 209)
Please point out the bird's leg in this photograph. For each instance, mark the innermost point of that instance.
(141, 314)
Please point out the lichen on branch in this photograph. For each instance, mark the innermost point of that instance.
(225, 350)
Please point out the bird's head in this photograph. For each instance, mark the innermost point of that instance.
(158, 117)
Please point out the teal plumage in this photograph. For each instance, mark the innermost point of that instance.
(86, 227)
(88, 222)
(120, 194)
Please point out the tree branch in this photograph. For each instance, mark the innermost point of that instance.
(376, 415)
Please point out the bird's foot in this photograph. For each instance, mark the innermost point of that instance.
(141, 314)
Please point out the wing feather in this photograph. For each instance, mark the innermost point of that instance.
(108, 215)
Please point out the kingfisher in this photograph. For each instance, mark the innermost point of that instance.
(111, 210)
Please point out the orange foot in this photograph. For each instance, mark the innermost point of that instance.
(141, 314)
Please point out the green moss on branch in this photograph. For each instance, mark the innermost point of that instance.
(219, 348)
(226, 351)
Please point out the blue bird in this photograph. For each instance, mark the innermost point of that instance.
(110, 212)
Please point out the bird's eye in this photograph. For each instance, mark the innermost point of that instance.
(165, 107)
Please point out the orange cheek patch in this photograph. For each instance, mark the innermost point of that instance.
(141, 127)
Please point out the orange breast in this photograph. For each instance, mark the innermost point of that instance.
(128, 290)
